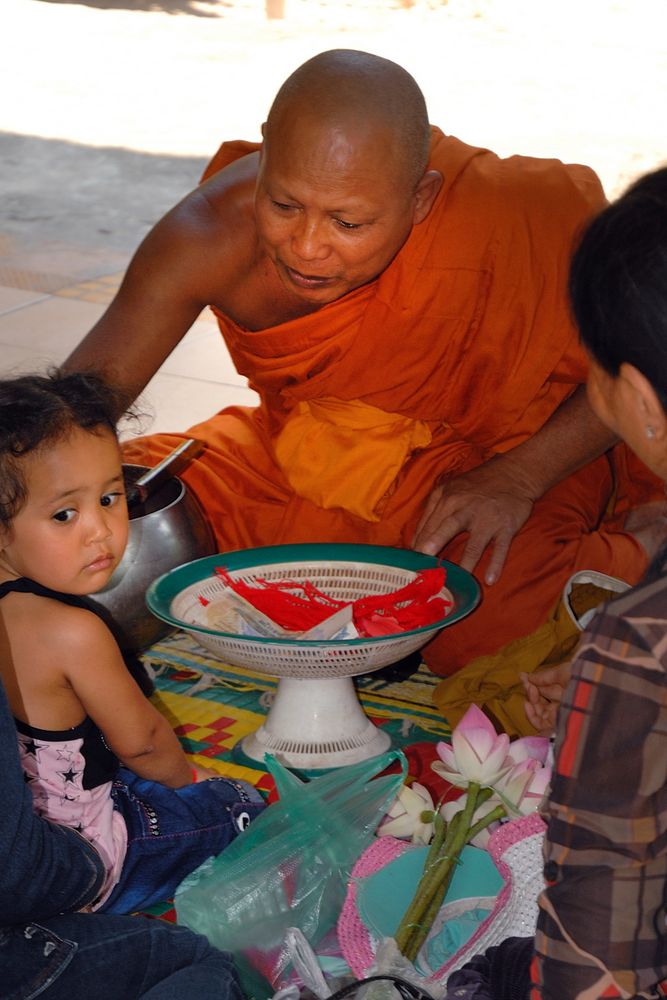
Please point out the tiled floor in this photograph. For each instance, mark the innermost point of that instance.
(118, 114)
(39, 327)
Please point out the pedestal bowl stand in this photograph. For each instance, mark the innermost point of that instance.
(316, 720)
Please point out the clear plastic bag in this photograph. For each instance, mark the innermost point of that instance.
(290, 868)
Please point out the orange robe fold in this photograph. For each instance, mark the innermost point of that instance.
(461, 349)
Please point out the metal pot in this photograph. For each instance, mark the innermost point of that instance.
(167, 529)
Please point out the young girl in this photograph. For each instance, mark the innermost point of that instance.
(79, 714)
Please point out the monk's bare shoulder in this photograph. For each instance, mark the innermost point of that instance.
(216, 233)
(213, 229)
(230, 192)
(201, 253)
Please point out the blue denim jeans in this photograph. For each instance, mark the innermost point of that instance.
(171, 831)
(80, 956)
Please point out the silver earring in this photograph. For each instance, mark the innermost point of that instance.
(650, 433)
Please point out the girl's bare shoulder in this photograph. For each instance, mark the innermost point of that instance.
(46, 626)
(44, 646)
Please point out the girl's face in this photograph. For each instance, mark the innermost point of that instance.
(72, 531)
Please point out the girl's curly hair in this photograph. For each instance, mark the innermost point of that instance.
(40, 410)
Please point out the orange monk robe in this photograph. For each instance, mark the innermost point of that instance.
(460, 350)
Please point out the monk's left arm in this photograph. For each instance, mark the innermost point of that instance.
(571, 437)
(494, 501)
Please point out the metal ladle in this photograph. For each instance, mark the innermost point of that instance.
(171, 465)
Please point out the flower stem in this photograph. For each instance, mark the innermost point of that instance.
(434, 870)
(496, 814)
(438, 898)
(439, 833)
(413, 928)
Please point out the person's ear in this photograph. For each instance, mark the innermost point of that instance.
(648, 410)
(425, 195)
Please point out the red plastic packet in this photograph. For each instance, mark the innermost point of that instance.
(298, 607)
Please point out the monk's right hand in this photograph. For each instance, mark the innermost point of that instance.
(483, 502)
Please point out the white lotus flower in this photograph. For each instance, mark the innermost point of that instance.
(408, 814)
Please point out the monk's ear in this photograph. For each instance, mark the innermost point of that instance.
(426, 193)
(647, 408)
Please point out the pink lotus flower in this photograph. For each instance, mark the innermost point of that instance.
(522, 789)
(529, 748)
(503, 780)
(408, 815)
(477, 753)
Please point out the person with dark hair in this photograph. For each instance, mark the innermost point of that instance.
(397, 298)
(78, 712)
(602, 930)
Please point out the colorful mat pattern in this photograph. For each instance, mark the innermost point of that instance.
(212, 705)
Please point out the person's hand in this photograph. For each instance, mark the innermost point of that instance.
(484, 502)
(544, 693)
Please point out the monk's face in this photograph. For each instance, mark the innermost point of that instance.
(333, 207)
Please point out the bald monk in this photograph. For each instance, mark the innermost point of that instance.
(397, 299)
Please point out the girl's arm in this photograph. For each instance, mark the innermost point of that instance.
(133, 728)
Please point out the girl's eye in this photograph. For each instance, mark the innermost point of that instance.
(109, 499)
(64, 516)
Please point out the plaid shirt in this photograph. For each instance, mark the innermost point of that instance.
(601, 930)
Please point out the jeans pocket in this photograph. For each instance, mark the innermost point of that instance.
(31, 958)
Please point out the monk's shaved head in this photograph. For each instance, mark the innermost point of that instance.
(345, 88)
(343, 174)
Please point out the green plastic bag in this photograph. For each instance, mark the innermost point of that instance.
(290, 868)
